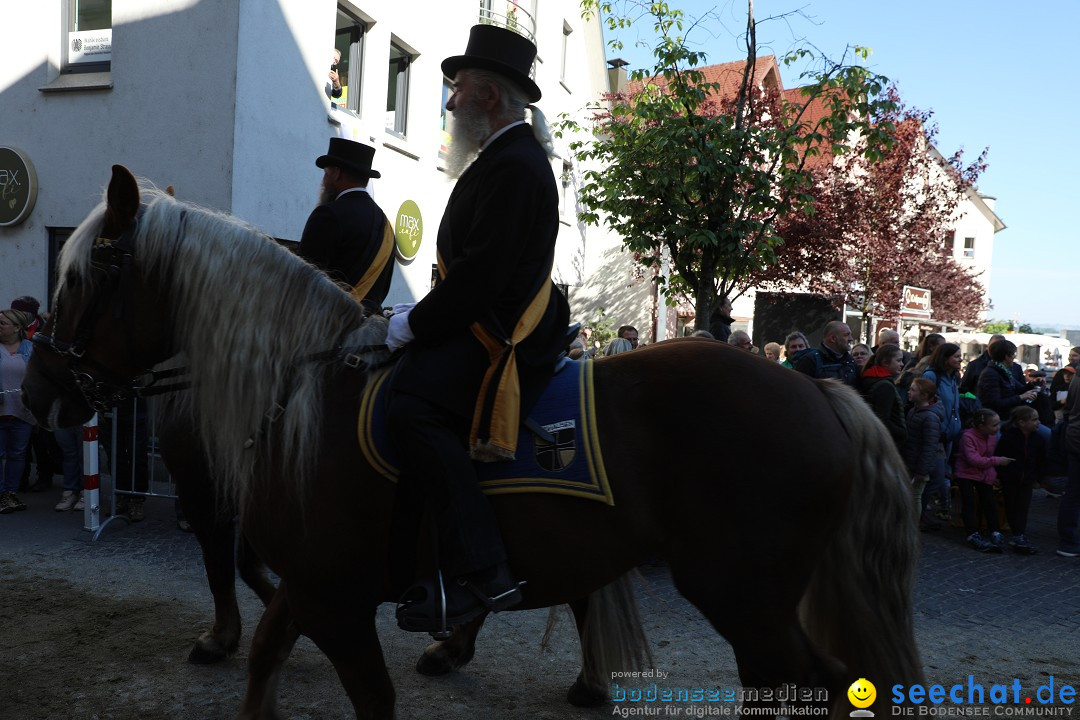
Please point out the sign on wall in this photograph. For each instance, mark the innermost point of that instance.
(916, 302)
(18, 186)
(409, 230)
(90, 46)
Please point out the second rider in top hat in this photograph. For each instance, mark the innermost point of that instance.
(494, 320)
(347, 236)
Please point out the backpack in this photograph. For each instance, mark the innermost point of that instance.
(843, 371)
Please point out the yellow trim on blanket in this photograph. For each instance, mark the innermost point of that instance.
(597, 489)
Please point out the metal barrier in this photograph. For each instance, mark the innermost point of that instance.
(140, 445)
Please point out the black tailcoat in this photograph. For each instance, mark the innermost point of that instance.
(497, 243)
(342, 238)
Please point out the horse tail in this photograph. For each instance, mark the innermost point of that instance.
(612, 639)
(858, 607)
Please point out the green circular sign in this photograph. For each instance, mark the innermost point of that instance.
(408, 230)
(18, 186)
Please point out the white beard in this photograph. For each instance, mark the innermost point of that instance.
(469, 127)
(326, 195)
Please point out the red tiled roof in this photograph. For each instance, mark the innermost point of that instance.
(729, 76)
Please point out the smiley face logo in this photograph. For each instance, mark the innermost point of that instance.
(862, 693)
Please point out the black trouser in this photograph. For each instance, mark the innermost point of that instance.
(1017, 495)
(432, 448)
(987, 504)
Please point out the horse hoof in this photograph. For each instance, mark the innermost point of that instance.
(582, 696)
(435, 661)
(208, 652)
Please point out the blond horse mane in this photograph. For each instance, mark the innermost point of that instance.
(246, 315)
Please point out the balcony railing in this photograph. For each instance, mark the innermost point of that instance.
(510, 15)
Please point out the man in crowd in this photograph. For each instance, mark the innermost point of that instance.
(495, 320)
(832, 359)
(347, 235)
(741, 339)
(720, 321)
(629, 332)
(888, 336)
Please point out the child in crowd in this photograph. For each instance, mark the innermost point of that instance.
(922, 444)
(974, 473)
(1020, 440)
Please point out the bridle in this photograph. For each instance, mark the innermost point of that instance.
(114, 258)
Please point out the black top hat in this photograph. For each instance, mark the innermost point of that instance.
(500, 50)
(350, 155)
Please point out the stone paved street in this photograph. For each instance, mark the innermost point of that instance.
(995, 617)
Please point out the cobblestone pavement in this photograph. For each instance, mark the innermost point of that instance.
(995, 617)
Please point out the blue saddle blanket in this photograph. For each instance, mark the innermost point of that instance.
(571, 465)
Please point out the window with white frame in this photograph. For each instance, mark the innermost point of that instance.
(566, 185)
(969, 248)
(397, 91)
(88, 36)
(349, 46)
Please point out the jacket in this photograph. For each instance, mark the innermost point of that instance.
(878, 386)
(343, 237)
(923, 441)
(496, 242)
(976, 460)
(948, 405)
(999, 391)
(1028, 454)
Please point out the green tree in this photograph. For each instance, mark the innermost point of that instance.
(674, 165)
(997, 326)
(1025, 328)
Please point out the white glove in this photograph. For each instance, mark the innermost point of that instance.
(399, 334)
(402, 308)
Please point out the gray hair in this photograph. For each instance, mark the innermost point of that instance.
(513, 102)
(796, 335)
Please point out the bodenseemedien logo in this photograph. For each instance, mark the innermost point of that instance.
(862, 694)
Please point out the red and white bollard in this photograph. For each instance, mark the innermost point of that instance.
(91, 477)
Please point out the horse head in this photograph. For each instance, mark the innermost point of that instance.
(107, 326)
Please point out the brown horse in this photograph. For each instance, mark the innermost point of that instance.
(807, 574)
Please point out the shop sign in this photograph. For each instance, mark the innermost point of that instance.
(916, 302)
(18, 186)
(408, 230)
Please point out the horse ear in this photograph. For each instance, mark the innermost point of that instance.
(170, 191)
(122, 201)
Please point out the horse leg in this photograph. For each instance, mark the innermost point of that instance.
(253, 571)
(217, 540)
(443, 656)
(585, 692)
(771, 649)
(274, 638)
(344, 629)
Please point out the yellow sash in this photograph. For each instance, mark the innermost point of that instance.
(497, 415)
(375, 269)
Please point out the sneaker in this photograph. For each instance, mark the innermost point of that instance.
(997, 540)
(80, 504)
(67, 501)
(19, 504)
(976, 541)
(135, 511)
(8, 503)
(1020, 544)
(1063, 552)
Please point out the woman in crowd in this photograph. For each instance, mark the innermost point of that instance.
(921, 362)
(944, 372)
(772, 351)
(16, 422)
(861, 352)
(877, 383)
(998, 390)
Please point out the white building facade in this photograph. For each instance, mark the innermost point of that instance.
(227, 101)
